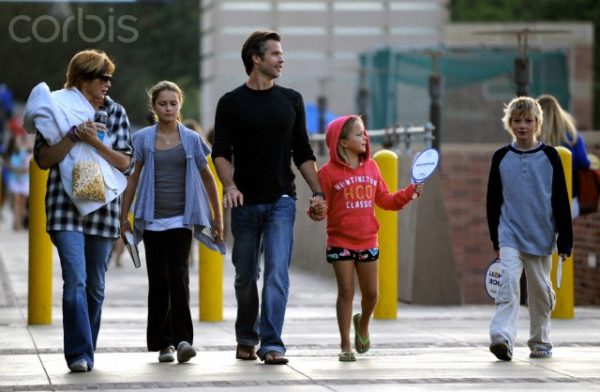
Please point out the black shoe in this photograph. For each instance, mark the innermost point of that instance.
(501, 350)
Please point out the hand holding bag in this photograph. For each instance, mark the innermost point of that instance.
(88, 182)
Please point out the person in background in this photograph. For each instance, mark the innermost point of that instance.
(528, 216)
(19, 155)
(194, 125)
(6, 111)
(260, 128)
(559, 129)
(83, 241)
(175, 192)
(353, 186)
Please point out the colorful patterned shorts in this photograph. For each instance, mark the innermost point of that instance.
(339, 254)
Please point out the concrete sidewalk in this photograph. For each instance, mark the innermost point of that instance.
(425, 349)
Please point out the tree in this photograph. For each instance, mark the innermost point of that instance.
(148, 41)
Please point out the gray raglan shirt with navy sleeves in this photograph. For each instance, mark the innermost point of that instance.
(527, 201)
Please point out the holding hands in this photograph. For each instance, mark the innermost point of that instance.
(317, 209)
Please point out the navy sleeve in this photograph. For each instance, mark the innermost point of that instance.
(560, 203)
(580, 158)
(494, 196)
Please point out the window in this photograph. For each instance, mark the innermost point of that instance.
(299, 30)
(358, 6)
(413, 6)
(302, 6)
(246, 6)
(358, 31)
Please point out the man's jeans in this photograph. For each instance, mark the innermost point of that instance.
(83, 259)
(266, 229)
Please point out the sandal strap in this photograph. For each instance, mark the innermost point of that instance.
(363, 341)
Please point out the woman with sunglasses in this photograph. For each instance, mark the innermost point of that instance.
(83, 238)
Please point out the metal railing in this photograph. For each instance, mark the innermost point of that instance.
(399, 139)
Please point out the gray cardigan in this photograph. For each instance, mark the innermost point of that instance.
(197, 212)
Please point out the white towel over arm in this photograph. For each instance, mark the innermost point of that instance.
(53, 114)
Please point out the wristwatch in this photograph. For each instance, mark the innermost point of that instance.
(322, 194)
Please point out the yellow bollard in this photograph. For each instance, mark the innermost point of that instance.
(210, 274)
(387, 307)
(565, 301)
(40, 250)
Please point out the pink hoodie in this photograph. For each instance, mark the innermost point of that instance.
(352, 194)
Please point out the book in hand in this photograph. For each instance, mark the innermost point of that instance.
(132, 249)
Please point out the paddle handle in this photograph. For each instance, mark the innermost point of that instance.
(414, 195)
(559, 266)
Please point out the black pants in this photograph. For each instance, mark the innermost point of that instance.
(169, 317)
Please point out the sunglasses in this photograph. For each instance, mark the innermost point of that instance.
(105, 78)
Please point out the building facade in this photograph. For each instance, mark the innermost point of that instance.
(322, 41)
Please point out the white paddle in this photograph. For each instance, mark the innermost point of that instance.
(492, 277)
(559, 272)
(424, 165)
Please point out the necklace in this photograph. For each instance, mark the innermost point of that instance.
(165, 138)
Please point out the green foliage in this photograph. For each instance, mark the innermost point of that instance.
(540, 10)
(148, 41)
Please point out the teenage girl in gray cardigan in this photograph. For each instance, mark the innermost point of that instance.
(175, 193)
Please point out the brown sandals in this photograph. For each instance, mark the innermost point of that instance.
(245, 352)
(275, 358)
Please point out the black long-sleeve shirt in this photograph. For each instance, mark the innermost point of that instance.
(260, 132)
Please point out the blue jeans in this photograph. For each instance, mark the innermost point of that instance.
(265, 229)
(83, 260)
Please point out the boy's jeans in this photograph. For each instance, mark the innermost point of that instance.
(541, 298)
(83, 259)
(266, 229)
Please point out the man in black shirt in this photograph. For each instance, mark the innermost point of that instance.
(260, 128)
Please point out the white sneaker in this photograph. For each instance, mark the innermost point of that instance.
(79, 366)
(167, 354)
(185, 352)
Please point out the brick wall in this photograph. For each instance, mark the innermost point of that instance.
(464, 173)
(587, 245)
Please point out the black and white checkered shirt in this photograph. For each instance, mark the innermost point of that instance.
(61, 213)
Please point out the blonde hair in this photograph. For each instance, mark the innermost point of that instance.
(520, 106)
(88, 64)
(158, 88)
(346, 129)
(557, 122)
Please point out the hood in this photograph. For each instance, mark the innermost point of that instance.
(332, 138)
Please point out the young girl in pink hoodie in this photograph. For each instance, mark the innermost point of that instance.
(353, 186)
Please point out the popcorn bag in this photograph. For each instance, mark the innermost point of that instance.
(88, 182)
